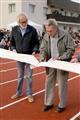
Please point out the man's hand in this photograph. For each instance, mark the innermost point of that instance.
(56, 58)
(41, 60)
(74, 60)
(33, 53)
(14, 50)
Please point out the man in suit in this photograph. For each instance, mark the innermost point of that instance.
(58, 45)
(24, 39)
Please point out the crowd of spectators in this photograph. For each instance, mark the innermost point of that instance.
(75, 35)
(4, 38)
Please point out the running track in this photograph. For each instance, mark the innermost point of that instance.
(21, 109)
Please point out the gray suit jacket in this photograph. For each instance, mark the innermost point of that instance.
(65, 46)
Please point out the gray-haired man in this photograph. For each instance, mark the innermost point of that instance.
(56, 44)
(24, 40)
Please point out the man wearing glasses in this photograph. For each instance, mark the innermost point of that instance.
(24, 39)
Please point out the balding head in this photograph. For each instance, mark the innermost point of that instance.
(22, 20)
(21, 16)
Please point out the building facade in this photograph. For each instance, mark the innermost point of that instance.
(34, 9)
(65, 12)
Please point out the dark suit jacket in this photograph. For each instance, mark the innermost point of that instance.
(24, 44)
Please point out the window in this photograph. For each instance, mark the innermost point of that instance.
(31, 8)
(12, 8)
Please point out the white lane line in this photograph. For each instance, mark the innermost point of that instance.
(8, 105)
(74, 77)
(15, 68)
(10, 81)
(76, 116)
(8, 70)
(7, 62)
(17, 101)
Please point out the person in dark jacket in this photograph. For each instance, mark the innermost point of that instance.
(2, 42)
(1, 35)
(24, 39)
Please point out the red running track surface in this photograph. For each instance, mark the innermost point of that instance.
(21, 109)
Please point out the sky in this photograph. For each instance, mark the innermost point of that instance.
(78, 1)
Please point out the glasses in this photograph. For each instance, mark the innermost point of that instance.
(49, 31)
(22, 22)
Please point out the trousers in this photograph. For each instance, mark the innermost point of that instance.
(21, 68)
(51, 77)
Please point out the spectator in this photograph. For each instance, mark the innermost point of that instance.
(4, 40)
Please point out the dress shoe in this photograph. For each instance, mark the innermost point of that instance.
(59, 109)
(48, 107)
